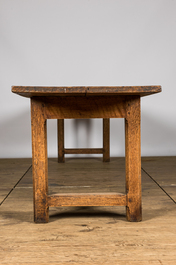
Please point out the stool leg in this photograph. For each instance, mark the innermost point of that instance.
(60, 132)
(106, 146)
(133, 160)
(39, 162)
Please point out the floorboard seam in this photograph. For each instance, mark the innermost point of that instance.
(15, 185)
(158, 185)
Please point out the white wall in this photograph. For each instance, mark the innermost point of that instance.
(88, 42)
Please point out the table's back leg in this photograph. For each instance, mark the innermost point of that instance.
(106, 140)
(133, 159)
(39, 162)
(60, 136)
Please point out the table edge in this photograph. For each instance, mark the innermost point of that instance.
(31, 91)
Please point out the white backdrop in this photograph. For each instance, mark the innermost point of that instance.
(88, 42)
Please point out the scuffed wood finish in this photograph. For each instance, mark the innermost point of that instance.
(39, 162)
(124, 90)
(62, 150)
(60, 133)
(89, 235)
(133, 159)
(83, 151)
(86, 102)
(84, 107)
(32, 91)
(87, 199)
(106, 140)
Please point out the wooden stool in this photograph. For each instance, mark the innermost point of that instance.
(105, 150)
(86, 103)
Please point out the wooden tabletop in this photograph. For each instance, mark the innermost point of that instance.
(32, 91)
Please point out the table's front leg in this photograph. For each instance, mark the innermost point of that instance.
(133, 159)
(39, 162)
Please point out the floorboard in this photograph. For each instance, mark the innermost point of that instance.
(88, 235)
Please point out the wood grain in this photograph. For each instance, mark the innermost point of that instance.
(39, 162)
(60, 136)
(87, 199)
(83, 107)
(133, 159)
(88, 235)
(85, 103)
(31, 91)
(62, 150)
(106, 140)
(83, 150)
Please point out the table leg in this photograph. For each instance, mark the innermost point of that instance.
(106, 133)
(60, 133)
(39, 162)
(133, 159)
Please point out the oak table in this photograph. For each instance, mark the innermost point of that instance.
(84, 103)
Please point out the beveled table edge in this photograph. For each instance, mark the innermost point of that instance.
(32, 91)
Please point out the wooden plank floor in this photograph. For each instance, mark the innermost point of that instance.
(88, 235)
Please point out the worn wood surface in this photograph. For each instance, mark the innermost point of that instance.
(31, 91)
(133, 159)
(106, 140)
(87, 199)
(63, 107)
(125, 103)
(9, 176)
(166, 178)
(106, 143)
(60, 137)
(39, 162)
(88, 235)
(83, 107)
(83, 151)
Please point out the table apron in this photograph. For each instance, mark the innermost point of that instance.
(79, 107)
